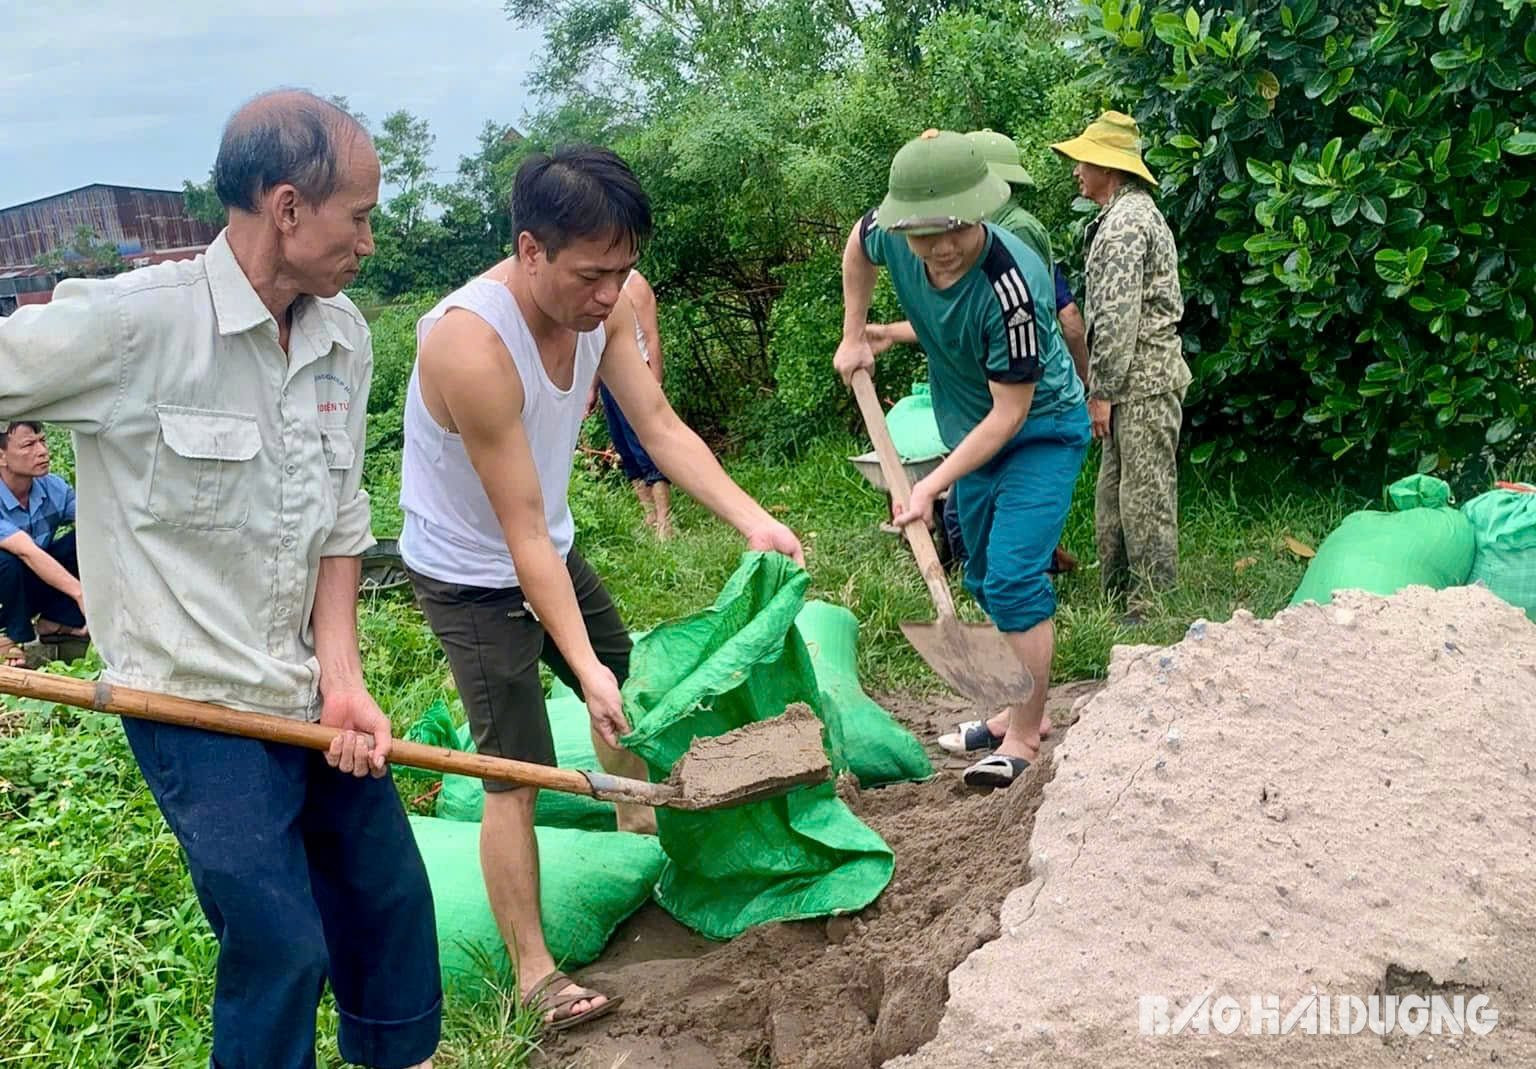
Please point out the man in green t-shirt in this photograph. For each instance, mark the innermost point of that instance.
(1008, 402)
(1002, 155)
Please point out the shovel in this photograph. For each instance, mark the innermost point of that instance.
(759, 761)
(975, 659)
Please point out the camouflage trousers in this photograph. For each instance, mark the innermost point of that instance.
(1136, 506)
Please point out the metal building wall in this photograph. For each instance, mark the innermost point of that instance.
(149, 219)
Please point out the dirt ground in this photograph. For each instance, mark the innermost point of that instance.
(841, 993)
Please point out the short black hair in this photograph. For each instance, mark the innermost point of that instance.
(7, 428)
(283, 136)
(579, 191)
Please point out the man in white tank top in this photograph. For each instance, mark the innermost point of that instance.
(493, 411)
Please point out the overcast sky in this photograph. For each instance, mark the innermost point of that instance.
(135, 92)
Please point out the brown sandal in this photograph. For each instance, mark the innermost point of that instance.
(558, 1007)
(11, 654)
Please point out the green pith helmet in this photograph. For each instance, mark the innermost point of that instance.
(939, 182)
(1002, 155)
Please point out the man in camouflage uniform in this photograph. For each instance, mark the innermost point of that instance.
(1137, 373)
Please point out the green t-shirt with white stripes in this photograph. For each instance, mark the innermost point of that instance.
(997, 323)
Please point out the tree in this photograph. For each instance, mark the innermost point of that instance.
(761, 130)
(404, 145)
(202, 202)
(86, 256)
(1349, 185)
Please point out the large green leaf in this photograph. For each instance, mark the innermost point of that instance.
(1502, 431)
(1330, 155)
(1520, 144)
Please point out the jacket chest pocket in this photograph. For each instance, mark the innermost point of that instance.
(337, 444)
(203, 476)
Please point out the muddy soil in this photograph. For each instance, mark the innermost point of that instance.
(846, 992)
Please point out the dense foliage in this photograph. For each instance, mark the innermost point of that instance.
(762, 131)
(1348, 185)
(1350, 188)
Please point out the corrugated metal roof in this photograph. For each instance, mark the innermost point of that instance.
(139, 221)
(90, 185)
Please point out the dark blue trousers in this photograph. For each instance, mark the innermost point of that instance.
(306, 875)
(23, 595)
(637, 463)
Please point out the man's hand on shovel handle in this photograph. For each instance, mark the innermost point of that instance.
(853, 353)
(919, 506)
(362, 747)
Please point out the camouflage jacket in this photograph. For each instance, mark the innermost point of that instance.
(1133, 301)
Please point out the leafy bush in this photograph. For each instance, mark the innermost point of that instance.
(1347, 186)
(762, 133)
(807, 325)
(394, 351)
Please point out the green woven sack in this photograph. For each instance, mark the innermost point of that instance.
(1427, 543)
(797, 856)
(589, 883)
(914, 428)
(861, 735)
(1504, 525)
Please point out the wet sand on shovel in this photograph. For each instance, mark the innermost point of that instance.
(755, 761)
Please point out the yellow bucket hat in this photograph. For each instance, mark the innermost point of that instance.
(1112, 141)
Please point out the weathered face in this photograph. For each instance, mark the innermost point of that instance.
(324, 244)
(25, 453)
(579, 286)
(949, 252)
(1094, 182)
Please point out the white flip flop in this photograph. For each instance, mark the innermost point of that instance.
(969, 737)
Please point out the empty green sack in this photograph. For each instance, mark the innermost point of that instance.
(741, 661)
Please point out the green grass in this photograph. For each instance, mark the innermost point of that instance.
(105, 959)
(1225, 520)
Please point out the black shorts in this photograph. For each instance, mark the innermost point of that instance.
(494, 646)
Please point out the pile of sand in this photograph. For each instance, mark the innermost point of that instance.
(1339, 801)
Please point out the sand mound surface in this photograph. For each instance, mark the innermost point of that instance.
(1338, 802)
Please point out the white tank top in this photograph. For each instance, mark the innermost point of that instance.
(450, 531)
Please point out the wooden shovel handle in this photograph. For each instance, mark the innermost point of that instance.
(917, 534)
(165, 709)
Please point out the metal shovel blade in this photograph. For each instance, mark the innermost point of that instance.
(974, 659)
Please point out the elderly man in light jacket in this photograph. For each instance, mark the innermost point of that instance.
(218, 407)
